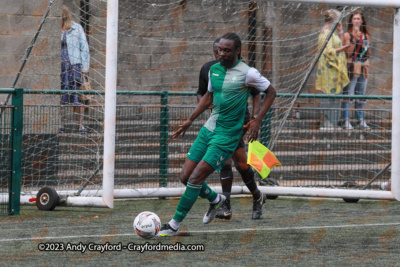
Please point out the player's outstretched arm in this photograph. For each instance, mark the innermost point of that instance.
(204, 103)
(253, 127)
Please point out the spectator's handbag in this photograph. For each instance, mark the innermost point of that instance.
(86, 86)
(354, 68)
(358, 66)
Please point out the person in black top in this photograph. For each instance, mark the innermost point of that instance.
(358, 52)
(239, 157)
(203, 77)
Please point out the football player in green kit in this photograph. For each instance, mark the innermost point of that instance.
(230, 83)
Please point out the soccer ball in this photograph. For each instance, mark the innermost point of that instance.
(147, 224)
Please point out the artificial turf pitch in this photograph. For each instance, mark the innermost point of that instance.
(293, 231)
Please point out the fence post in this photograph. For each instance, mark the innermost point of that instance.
(17, 124)
(164, 126)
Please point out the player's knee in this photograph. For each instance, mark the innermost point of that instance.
(195, 179)
(183, 177)
(242, 167)
(226, 171)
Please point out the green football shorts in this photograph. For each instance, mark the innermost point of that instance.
(212, 148)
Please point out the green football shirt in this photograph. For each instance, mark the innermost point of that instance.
(231, 88)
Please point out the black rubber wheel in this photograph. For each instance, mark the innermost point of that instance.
(47, 198)
(351, 200)
(270, 182)
(350, 184)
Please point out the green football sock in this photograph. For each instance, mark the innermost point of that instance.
(207, 192)
(187, 201)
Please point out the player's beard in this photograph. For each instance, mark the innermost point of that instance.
(227, 61)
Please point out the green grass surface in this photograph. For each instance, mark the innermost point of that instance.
(293, 231)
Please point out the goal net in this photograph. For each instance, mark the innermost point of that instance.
(161, 48)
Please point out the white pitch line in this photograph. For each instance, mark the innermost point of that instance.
(208, 231)
(60, 237)
(296, 228)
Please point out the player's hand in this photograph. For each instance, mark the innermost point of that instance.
(182, 129)
(252, 127)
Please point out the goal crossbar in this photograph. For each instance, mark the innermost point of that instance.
(370, 3)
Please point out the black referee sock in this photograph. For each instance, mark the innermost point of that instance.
(226, 176)
(248, 179)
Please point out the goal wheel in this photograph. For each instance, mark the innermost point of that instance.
(351, 200)
(351, 184)
(47, 198)
(270, 182)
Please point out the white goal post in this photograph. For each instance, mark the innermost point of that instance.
(110, 102)
(395, 107)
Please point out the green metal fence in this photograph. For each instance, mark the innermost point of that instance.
(11, 123)
(147, 157)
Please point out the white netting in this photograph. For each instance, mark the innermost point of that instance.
(161, 47)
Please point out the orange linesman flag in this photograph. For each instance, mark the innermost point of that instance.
(261, 158)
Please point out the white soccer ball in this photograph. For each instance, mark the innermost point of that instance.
(147, 224)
